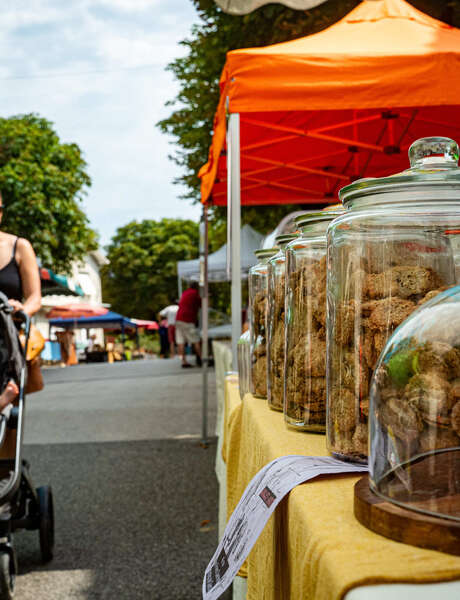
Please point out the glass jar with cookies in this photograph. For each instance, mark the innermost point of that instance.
(275, 320)
(415, 411)
(305, 360)
(388, 254)
(258, 305)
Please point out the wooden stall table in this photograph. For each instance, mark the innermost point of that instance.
(313, 548)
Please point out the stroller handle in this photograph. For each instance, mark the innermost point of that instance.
(22, 316)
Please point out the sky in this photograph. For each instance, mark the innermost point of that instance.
(96, 69)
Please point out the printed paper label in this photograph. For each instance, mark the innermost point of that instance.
(261, 497)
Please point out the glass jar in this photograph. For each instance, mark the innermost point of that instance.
(305, 360)
(389, 253)
(243, 354)
(275, 320)
(415, 411)
(258, 282)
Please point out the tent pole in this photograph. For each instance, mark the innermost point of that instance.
(233, 172)
(179, 286)
(205, 321)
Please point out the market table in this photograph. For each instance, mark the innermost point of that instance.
(222, 353)
(313, 547)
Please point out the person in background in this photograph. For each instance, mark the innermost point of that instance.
(72, 348)
(163, 331)
(91, 343)
(61, 337)
(186, 319)
(109, 347)
(169, 313)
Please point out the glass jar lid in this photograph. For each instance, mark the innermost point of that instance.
(332, 207)
(316, 217)
(285, 238)
(433, 164)
(266, 252)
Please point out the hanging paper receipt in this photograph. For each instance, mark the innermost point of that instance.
(258, 502)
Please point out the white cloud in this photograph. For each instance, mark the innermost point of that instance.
(111, 114)
(130, 5)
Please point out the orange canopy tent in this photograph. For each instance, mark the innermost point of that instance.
(319, 112)
(309, 116)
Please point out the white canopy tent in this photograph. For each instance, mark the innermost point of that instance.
(244, 7)
(189, 270)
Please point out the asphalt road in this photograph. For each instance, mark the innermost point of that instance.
(135, 494)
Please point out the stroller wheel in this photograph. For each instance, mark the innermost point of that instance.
(7, 575)
(46, 526)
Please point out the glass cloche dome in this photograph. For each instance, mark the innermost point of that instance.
(415, 411)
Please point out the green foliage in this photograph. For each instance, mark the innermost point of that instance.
(42, 182)
(141, 278)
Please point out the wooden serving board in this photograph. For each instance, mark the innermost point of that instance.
(404, 525)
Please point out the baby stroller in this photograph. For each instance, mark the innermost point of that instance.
(21, 505)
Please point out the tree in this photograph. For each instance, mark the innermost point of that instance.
(141, 278)
(198, 72)
(42, 182)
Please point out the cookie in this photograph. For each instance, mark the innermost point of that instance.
(305, 390)
(431, 394)
(435, 438)
(344, 324)
(389, 313)
(455, 418)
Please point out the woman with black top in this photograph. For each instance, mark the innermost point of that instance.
(19, 275)
(20, 282)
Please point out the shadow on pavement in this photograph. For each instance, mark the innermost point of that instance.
(129, 514)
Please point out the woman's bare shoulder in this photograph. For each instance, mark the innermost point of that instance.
(23, 244)
(24, 248)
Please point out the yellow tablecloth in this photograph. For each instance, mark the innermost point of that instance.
(312, 548)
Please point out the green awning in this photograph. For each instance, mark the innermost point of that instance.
(57, 284)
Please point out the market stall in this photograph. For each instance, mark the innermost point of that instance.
(393, 362)
(109, 321)
(394, 249)
(309, 116)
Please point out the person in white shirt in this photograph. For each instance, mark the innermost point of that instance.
(169, 313)
(91, 343)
